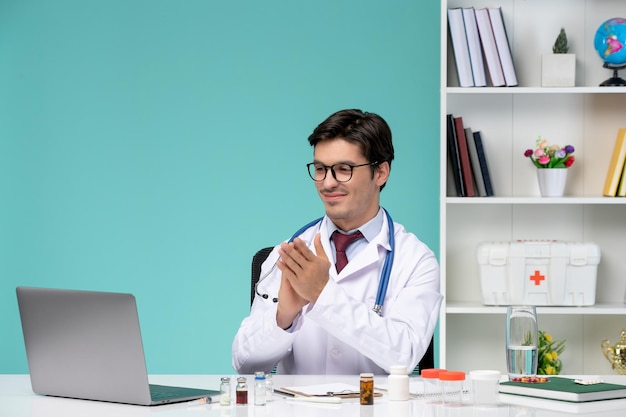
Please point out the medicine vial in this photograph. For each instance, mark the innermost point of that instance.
(225, 391)
(367, 389)
(241, 391)
(269, 394)
(398, 383)
(260, 388)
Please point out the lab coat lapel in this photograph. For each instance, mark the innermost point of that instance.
(374, 252)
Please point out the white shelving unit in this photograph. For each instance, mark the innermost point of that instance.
(586, 116)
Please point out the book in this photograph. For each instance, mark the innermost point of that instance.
(490, 49)
(616, 166)
(453, 155)
(475, 50)
(502, 43)
(477, 173)
(621, 189)
(565, 389)
(460, 48)
(484, 166)
(466, 167)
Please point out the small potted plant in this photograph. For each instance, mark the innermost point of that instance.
(552, 162)
(549, 362)
(558, 69)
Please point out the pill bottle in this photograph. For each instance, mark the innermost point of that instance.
(260, 388)
(432, 385)
(452, 386)
(398, 383)
(367, 389)
(225, 391)
(269, 383)
(485, 384)
(241, 391)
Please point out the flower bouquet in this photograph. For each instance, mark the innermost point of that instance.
(548, 362)
(550, 156)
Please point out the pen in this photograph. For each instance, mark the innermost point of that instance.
(314, 399)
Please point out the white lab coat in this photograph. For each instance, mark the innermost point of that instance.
(340, 334)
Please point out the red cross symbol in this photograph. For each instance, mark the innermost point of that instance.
(537, 277)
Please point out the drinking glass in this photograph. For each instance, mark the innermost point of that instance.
(521, 341)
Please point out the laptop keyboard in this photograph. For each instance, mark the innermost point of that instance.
(162, 392)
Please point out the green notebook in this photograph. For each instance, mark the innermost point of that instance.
(565, 389)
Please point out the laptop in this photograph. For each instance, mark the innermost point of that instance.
(87, 345)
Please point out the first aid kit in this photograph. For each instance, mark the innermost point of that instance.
(541, 273)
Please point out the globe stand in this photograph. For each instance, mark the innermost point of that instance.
(615, 80)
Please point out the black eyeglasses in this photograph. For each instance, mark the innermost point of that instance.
(341, 172)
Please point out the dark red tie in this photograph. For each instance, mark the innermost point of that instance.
(342, 241)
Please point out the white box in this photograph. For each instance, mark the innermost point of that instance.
(541, 273)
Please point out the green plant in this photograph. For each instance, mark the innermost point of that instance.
(560, 45)
(548, 362)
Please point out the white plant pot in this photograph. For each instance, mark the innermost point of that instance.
(551, 181)
(558, 70)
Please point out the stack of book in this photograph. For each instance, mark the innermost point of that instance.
(468, 160)
(615, 183)
(481, 46)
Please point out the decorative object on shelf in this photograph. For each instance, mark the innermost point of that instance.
(552, 182)
(552, 162)
(549, 352)
(616, 355)
(609, 43)
(558, 69)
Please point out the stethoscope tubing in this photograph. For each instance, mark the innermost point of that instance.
(383, 283)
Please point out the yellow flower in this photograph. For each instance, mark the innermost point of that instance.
(548, 337)
(549, 370)
(555, 355)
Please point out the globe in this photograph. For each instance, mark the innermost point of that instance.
(610, 44)
(610, 41)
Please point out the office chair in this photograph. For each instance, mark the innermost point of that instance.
(428, 361)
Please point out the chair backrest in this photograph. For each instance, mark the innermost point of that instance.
(427, 361)
(257, 261)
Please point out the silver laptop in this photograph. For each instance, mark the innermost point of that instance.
(87, 344)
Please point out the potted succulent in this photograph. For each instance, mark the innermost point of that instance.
(558, 69)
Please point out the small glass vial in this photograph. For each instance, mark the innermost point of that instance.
(241, 392)
(269, 394)
(225, 391)
(452, 386)
(367, 389)
(260, 388)
(432, 385)
(398, 383)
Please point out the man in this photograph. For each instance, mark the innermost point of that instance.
(312, 314)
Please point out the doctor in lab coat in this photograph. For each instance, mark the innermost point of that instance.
(309, 319)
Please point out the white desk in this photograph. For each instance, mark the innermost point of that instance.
(18, 400)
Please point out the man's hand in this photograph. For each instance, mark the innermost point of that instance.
(304, 276)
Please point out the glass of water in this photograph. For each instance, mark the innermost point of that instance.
(521, 341)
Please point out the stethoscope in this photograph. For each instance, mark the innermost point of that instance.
(383, 283)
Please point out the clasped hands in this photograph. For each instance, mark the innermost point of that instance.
(304, 276)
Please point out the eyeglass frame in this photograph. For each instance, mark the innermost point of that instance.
(332, 169)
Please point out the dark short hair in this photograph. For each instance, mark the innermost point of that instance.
(368, 130)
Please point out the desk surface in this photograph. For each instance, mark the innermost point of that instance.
(18, 400)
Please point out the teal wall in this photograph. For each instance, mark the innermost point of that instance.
(151, 146)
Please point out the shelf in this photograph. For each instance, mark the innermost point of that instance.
(536, 200)
(536, 90)
(597, 309)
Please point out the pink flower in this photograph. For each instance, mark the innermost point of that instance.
(544, 160)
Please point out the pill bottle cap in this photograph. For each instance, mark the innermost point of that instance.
(398, 370)
(367, 375)
(452, 376)
(431, 373)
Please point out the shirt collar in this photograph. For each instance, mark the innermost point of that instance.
(370, 230)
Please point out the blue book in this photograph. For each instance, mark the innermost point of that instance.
(484, 167)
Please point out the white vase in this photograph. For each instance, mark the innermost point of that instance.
(552, 181)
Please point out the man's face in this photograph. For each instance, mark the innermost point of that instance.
(353, 203)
